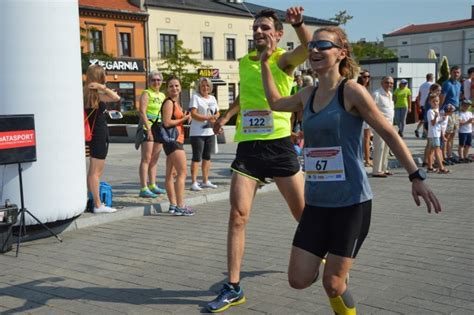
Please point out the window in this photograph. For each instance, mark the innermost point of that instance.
(404, 43)
(471, 55)
(250, 45)
(126, 90)
(207, 48)
(230, 48)
(95, 43)
(290, 46)
(167, 44)
(231, 93)
(124, 48)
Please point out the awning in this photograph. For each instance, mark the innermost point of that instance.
(218, 82)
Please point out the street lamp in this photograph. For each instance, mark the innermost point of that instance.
(243, 4)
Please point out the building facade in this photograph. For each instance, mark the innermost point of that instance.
(116, 28)
(220, 31)
(453, 39)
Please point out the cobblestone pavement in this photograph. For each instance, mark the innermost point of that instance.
(411, 263)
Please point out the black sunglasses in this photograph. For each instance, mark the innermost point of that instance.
(322, 45)
(155, 80)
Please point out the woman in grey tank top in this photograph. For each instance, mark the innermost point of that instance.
(336, 218)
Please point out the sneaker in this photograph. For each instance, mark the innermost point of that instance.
(208, 185)
(172, 209)
(195, 187)
(184, 211)
(147, 193)
(104, 209)
(227, 297)
(157, 190)
(417, 134)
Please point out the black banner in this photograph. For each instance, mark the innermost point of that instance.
(17, 139)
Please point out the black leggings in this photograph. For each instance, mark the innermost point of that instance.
(202, 147)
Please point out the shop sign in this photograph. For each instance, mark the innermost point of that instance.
(209, 73)
(120, 65)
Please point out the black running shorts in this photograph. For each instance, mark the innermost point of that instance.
(338, 231)
(262, 159)
(171, 147)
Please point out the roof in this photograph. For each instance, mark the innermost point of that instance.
(396, 60)
(225, 7)
(432, 27)
(114, 5)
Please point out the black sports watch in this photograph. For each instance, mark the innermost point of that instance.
(418, 174)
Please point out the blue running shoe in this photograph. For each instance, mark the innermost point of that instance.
(227, 297)
(184, 211)
(157, 190)
(147, 194)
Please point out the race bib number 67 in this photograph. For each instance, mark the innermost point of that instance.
(324, 164)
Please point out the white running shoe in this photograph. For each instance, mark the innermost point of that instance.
(195, 187)
(208, 185)
(104, 209)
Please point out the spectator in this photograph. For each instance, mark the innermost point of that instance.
(204, 111)
(435, 90)
(364, 80)
(452, 126)
(402, 98)
(421, 100)
(298, 84)
(150, 120)
(451, 89)
(384, 101)
(434, 134)
(468, 84)
(465, 131)
(96, 94)
(173, 116)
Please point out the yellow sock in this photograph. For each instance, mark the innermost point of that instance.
(343, 304)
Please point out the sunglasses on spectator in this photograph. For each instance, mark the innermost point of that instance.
(322, 45)
(155, 80)
(366, 76)
(388, 82)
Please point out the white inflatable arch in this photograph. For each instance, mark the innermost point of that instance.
(41, 74)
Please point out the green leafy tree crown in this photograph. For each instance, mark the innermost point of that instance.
(443, 71)
(179, 62)
(363, 50)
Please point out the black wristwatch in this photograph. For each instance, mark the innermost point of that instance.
(418, 174)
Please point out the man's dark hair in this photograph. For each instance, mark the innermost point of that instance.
(267, 13)
(470, 70)
(429, 76)
(456, 67)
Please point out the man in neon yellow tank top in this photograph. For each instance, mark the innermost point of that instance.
(265, 149)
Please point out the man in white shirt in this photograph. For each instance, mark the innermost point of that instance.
(421, 100)
(384, 101)
(467, 85)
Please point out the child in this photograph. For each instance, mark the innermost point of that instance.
(465, 131)
(434, 134)
(451, 128)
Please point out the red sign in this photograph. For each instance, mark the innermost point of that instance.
(17, 139)
(322, 153)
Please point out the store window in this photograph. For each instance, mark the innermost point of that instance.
(95, 41)
(230, 48)
(290, 46)
(126, 91)
(167, 44)
(207, 48)
(125, 44)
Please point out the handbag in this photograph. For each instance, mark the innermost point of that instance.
(88, 131)
(167, 135)
(139, 136)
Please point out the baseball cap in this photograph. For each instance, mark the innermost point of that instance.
(403, 81)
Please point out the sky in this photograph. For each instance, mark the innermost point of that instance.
(373, 18)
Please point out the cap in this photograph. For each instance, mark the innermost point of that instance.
(466, 102)
(403, 81)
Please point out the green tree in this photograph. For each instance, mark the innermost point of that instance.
(443, 71)
(364, 50)
(86, 56)
(342, 17)
(179, 62)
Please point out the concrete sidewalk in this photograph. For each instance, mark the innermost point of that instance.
(121, 171)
